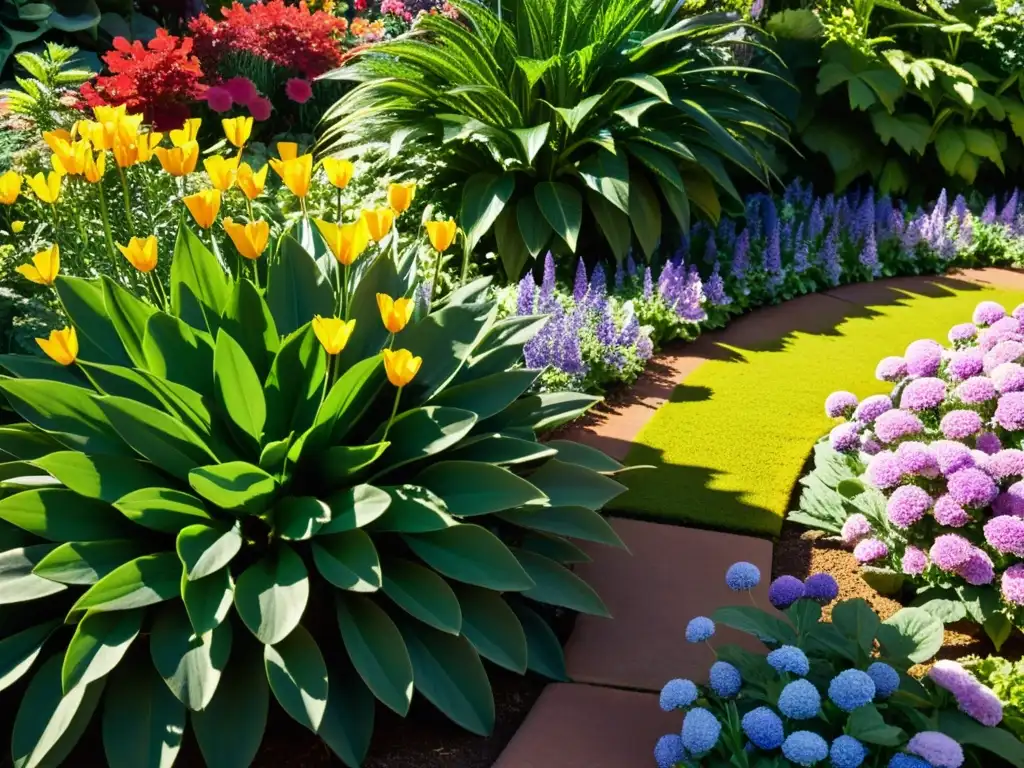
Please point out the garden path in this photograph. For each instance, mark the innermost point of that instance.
(608, 717)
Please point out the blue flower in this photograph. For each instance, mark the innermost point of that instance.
(821, 587)
(847, 752)
(725, 679)
(850, 689)
(764, 728)
(701, 730)
(785, 591)
(742, 576)
(805, 748)
(901, 760)
(677, 694)
(699, 629)
(800, 700)
(885, 678)
(669, 751)
(789, 658)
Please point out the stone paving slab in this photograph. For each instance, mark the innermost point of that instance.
(584, 726)
(995, 277)
(670, 575)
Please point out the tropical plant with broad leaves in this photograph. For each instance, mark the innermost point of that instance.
(557, 114)
(206, 511)
(23, 21)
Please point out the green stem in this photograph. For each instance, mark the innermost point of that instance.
(158, 298)
(56, 221)
(344, 292)
(78, 224)
(465, 264)
(339, 205)
(256, 272)
(302, 205)
(106, 225)
(394, 240)
(394, 410)
(147, 199)
(127, 201)
(437, 277)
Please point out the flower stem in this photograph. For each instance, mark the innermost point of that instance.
(437, 277)
(127, 201)
(158, 295)
(339, 205)
(394, 410)
(146, 198)
(106, 225)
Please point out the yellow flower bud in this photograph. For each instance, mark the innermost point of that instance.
(222, 171)
(400, 366)
(339, 171)
(400, 196)
(237, 130)
(141, 253)
(294, 172)
(180, 160)
(187, 133)
(10, 187)
(62, 346)
(378, 222)
(44, 268)
(333, 333)
(287, 150)
(94, 166)
(46, 188)
(204, 207)
(251, 182)
(250, 239)
(441, 234)
(394, 313)
(346, 241)
(17, 226)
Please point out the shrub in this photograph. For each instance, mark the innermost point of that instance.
(926, 482)
(825, 693)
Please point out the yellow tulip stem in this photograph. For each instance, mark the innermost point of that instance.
(391, 340)
(158, 298)
(56, 220)
(78, 223)
(332, 369)
(248, 206)
(106, 225)
(465, 263)
(394, 412)
(127, 201)
(339, 205)
(256, 273)
(146, 198)
(437, 277)
(302, 205)
(394, 241)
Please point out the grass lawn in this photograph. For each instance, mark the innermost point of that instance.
(731, 443)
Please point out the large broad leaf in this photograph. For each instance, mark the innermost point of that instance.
(570, 485)
(140, 582)
(249, 321)
(377, 650)
(541, 412)
(911, 633)
(107, 478)
(607, 174)
(557, 585)
(129, 315)
(413, 509)
(423, 432)
(533, 227)
(511, 246)
(488, 395)
(584, 456)
(471, 554)
(483, 198)
(614, 225)
(162, 509)
(347, 725)
(199, 286)
(450, 675)
(271, 595)
(19, 651)
(562, 206)
(354, 508)
(298, 677)
(497, 448)
(238, 388)
(98, 341)
(967, 731)
(575, 522)
(756, 622)
(293, 388)
(911, 132)
(470, 488)
(230, 729)
(857, 621)
(422, 594)
(99, 643)
(296, 288)
(644, 213)
(17, 581)
(190, 666)
(492, 627)
(207, 600)
(49, 724)
(348, 561)
(867, 725)
(177, 352)
(33, 367)
(544, 651)
(236, 486)
(143, 724)
(57, 514)
(340, 464)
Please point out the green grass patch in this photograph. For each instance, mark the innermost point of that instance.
(731, 442)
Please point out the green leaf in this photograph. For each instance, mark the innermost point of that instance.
(162, 509)
(18, 652)
(488, 395)
(950, 147)
(355, 507)
(607, 174)
(18, 583)
(613, 223)
(296, 288)
(236, 486)
(533, 227)
(377, 650)
(584, 456)
(199, 286)
(143, 724)
(423, 432)
(570, 485)
(207, 600)
(998, 628)
(471, 554)
(644, 213)
(239, 391)
(562, 206)
(190, 666)
(544, 651)
(857, 621)
(911, 132)
(967, 731)
(911, 633)
(483, 198)
(422, 594)
(555, 548)
(867, 724)
(99, 643)
(576, 116)
(497, 448)
(348, 561)
(756, 622)
(97, 338)
(347, 725)
(248, 320)
(99, 477)
(532, 140)
(293, 388)
(510, 244)
(413, 510)
(342, 462)
(492, 627)
(297, 518)
(575, 522)
(33, 367)
(298, 677)
(557, 585)
(230, 729)
(140, 582)
(128, 315)
(57, 514)
(449, 673)
(177, 353)
(271, 595)
(470, 488)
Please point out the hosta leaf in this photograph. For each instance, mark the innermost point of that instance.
(422, 594)
(450, 675)
(584, 456)
(207, 600)
(533, 227)
(298, 518)
(58, 514)
(575, 522)
(911, 633)
(17, 581)
(355, 507)
(249, 321)
(413, 509)
(542, 412)
(140, 582)
(191, 666)
(341, 463)
(562, 206)
(230, 729)
(143, 724)
(348, 561)
(174, 351)
(570, 485)
(100, 642)
(483, 197)
(557, 585)
(497, 448)
(292, 389)
(350, 397)
(348, 720)
(128, 315)
(553, 547)
(423, 432)
(490, 394)
(470, 488)
(83, 303)
(199, 286)
(298, 677)
(296, 288)
(204, 549)
(377, 650)
(471, 554)
(19, 651)
(858, 621)
(492, 627)
(544, 652)
(607, 174)
(271, 595)
(162, 509)
(236, 486)
(106, 478)
(644, 213)
(756, 622)
(238, 388)
(32, 367)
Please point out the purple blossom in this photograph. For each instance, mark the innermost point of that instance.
(1008, 216)
(891, 369)
(915, 561)
(958, 425)
(951, 551)
(923, 394)
(1010, 501)
(1008, 324)
(840, 404)
(547, 286)
(974, 699)
(598, 289)
(896, 424)
(916, 458)
(1006, 464)
(741, 256)
(1008, 377)
(711, 250)
(714, 289)
(828, 256)
(978, 570)
(988, 216)
(1007, 351)
(870, 550)
(817, 222)
(907, 505)
(785, 591)
(869, 253)
(936, 748)
(951, 456)
(648, 290)
(923, 357)
(801, 253)
(773, 258)
(844, 437)
(987, 442)
(821, 587)
(1005, 534)
(975, 390)
(884, 470)
(1018, 312)
(963, 332)
(1010, 411)
(525, 296)
(579, 287)
(988, 312)
(947, 512)
(972, 488)
(1013, 584)
(855, 529)
(964, 364)
(871, 408)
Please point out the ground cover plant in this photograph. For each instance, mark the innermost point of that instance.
(281, 475)
(830, 692)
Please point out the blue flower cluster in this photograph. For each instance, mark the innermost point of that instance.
(851, 689)
(742, 576)
(800, 700)
(725, 679)
(700, 629)
(788, 658)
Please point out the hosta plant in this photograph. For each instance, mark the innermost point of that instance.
(239, 498)
(829, 691)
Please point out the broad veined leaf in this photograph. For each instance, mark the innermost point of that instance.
(911, 132)
(497, 448)
(32, 367)
(483, 198)
(532, 140)
(342, 462)
(967, 731)
(162, 509)
(607, 174)
(129, 315)
(178, 353)
(190, 666)
(238, 388)
(143, 724)
(544, 651)
(488, 395)
(413, 509)
(97, 338)
(492, 627)
(140, 582)
(347, 724)
(613, 223)
(377, 650)
(236, 486)
(569, 485)
(584, 456)
(553, 547)
(354, 508)
(298, 677)
(644, 213)
(298, 518)
(423, 432)
(207, 600)
(99, 643)
(293, 388)
(471, 554)
(19, 651)
(575, 522)
(57, 514)
(422, 594)
(249, 321)
(470, 488)
(562, 206)
(911, 633)
(868, 726)
(199, 285)
(511, 247)
(271, 595)
(296, 288)
(533, 227)
(348, 560)
(107, 478)
(17, 581)
(577, 115)
(557, 585)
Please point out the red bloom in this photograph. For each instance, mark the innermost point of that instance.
(298, 90)
(260, 109)
(241, 89)
(287, 35)
(219, 99)
(161, 80)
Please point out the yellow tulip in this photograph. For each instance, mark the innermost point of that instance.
(46, 188)
(106, 114)
(250, 239)
(187, 133)
(333, 333)
(378, 222)
(55, 137)
(10, 187)
(287, 150)
(204, 207)
(100, 136)
(251, 182)
(441, 234)
(400, 366)
(44, 268)
(237, 130)
(179, 161)
(346, 241)
(400, 196)
(222, 171)
(147, 143)
(126, 155)
(339, 172)
(128, 129)
(68, 156)
(141, 253)
(62, 346)
(295, 173)
(94, 167)
(17, 226)
(394, 313)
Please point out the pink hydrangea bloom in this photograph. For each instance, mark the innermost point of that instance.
(988, 312)
(1008, 377)
(840, 404)
(218, 99)
(923, 357)
(241, 89)
(972, 488)
(870, 550)
(917, 459)
(987, 444)
(891, 369)
(1010, 411)
(1005, 534)
(923, 394)
(978, 570)
(856, 529)
(871, 408)
(915, 561)
(896, 424)
(947, 512)
(972, 697)
(298, 90)
(957, 425)
(884, 470)
(951, 551)
(907, 505)
(976, 389)
(964, 364)
(1013, 584)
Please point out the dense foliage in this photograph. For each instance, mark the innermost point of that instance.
(557, 118)
(1006, 679)
(831, 691)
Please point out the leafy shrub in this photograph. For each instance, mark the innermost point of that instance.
(1006, 679)
(825, 693)
(47, 96)
(919, 482)
(560, 115)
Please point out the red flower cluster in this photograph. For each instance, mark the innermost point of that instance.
(287, 35)
(161, 80)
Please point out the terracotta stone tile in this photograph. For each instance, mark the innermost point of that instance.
(670, 575)
(582, 726)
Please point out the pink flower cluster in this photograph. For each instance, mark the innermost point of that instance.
(238, 91)
(972, 697)
(943, 450)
